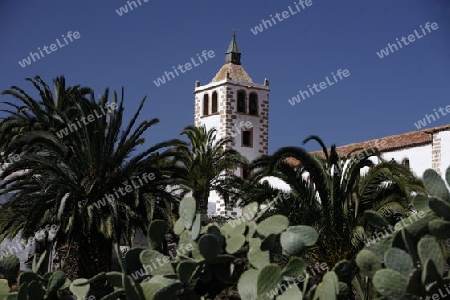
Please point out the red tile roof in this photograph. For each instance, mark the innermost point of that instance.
(386, 144)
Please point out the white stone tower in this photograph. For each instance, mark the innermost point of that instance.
(237, 107)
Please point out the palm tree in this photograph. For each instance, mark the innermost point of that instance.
(207, 164)
(50, 113)
(329, 194)
(78, 182)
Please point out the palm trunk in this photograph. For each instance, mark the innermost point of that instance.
(69, 260)
(88, 258)
(100, 255)
(202, 202)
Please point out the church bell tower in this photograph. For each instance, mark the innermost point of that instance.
(236, 106)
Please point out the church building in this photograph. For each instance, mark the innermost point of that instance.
(235, 105)
(238, 107)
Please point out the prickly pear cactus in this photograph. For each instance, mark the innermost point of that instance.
(31, 285)
(411, 263)
(56, 281)
(211, 259)
(9, 267)
(77, 290)
(4, 289)
(207, 261)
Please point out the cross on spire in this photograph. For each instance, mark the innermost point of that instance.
(233, 32)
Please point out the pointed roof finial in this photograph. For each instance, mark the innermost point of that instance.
(233, 55)
(233, 32)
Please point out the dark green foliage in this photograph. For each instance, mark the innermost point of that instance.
(33, 286)
(331, 193)
(208, 268)
(9, 267)
(414, 260)
(204, 163)
(72, 179)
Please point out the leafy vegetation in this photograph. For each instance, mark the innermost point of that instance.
(206, 164)
(273, 251)
(72, 181)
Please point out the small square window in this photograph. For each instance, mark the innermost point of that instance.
(245, 174)
(247, 138)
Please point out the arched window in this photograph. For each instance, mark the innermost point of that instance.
(214, 103)
(205, 105)
(241, 101)
(405, 162)
(253, 104)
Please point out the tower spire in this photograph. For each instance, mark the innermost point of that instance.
(233, 55)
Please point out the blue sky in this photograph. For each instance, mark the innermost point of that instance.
(381, 97)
